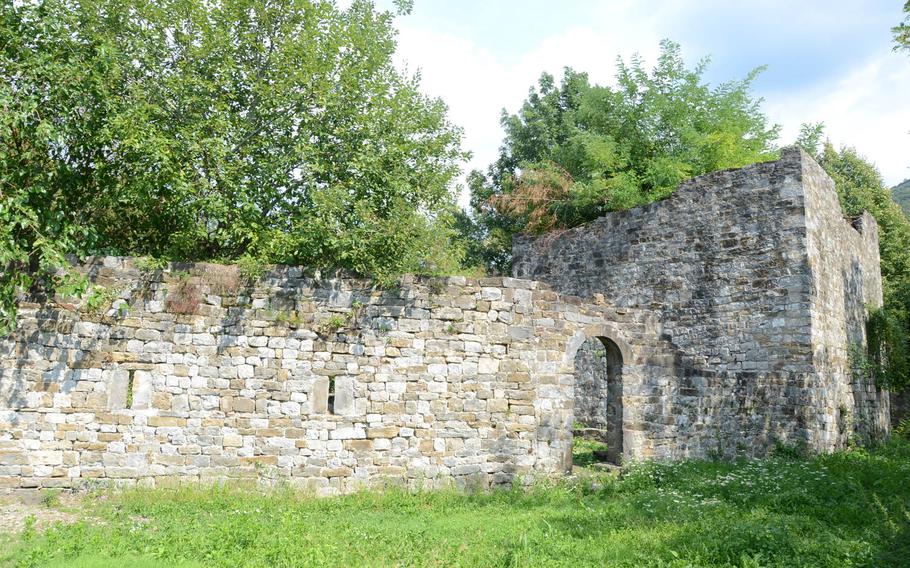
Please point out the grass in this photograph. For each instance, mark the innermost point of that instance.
(840, 510)
(583, 451)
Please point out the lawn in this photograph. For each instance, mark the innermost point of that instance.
(845, 509)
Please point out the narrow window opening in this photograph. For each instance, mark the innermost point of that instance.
(129, 390)
(331, 400)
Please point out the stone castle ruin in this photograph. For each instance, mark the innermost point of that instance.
(721, 321)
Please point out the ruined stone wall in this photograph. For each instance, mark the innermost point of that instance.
(844, 260)
(331, 383)
(724, 266)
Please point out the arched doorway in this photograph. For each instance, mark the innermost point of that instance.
(598, 394)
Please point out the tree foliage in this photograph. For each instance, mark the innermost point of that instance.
(902, 31)
(575, 150)
(213, 130)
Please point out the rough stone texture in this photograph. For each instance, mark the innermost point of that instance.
(844, 262)
(758, 286)
(591, 392)
(435, 381)
(729, 312)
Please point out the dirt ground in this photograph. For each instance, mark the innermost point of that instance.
(46, 507)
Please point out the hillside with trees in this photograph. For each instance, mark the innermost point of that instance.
(901, 195)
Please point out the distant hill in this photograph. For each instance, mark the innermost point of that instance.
(901, 194)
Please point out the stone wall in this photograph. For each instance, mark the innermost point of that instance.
(844, 261)
(329, 382)
(591, 392)
(734, 309)
(752, 275)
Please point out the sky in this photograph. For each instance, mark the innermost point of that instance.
(827, 60)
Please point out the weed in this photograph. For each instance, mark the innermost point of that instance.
(436, 286)
(333, 324)
(586, 452)
(129, 390)
(185, 297)
(251, 268)
(902, 430)
(292, 318)
(50, 498)
(28, 531)
(150, 264)
(222, 280)
(354, 313)
(793, 451)
(99, 300)
(122, 307)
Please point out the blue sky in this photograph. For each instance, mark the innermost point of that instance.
(828, 60)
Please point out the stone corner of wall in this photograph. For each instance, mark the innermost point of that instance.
(866, 225)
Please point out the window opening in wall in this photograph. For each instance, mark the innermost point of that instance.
(331, 402)
(129, 390)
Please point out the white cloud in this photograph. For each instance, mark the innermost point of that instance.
(866, 108)
(477, 83)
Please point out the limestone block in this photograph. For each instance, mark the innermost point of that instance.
(344, 396)
(143, 385)
(319, 395)
(117, 382)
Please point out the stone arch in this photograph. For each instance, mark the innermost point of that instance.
(604, 330)
(597, 358)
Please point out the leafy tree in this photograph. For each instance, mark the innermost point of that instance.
(575, 150)
(902, 30)
(217, 130)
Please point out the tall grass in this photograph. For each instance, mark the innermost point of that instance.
(840, 510)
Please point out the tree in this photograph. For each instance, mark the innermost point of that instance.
(575, 150)
(215, 130)
(902, 31)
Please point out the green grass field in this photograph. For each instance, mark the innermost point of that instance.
(846, 509)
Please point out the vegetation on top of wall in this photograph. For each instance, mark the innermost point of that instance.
(575, 150)
(187, 130)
